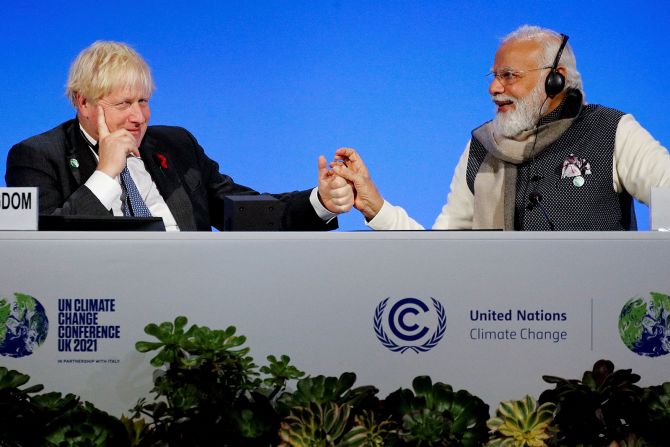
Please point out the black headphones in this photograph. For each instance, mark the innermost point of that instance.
(555, 82)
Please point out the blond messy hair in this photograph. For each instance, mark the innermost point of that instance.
(104, 66)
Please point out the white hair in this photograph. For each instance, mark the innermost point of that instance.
(550, 41)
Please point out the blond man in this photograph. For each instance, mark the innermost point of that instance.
(108, 160)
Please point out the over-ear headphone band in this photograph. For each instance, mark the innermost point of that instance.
(564, 40)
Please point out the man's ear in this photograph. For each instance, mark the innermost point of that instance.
(83, 105)
(562, 71)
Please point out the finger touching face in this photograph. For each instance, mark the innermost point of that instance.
(103, 130)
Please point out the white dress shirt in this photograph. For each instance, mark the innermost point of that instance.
(108, 189)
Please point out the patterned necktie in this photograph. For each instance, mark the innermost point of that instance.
(133, 205)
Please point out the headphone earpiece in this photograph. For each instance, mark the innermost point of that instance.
(554, 84)
(555, 81)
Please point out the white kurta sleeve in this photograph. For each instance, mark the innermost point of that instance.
(640, 162)
(456, 213)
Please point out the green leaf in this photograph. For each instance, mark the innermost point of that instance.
(146, 346)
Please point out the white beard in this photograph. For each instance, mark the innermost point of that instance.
(525, 115)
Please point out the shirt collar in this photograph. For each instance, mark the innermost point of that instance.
(91, 141)
(89, 138)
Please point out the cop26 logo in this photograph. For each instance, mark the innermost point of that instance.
(410, 324)
(23, 325)
(644, 324)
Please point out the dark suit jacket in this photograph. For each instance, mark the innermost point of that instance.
(191, 184)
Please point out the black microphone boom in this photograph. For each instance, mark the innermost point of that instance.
(536, 200)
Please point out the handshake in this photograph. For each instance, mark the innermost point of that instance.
(348, 184)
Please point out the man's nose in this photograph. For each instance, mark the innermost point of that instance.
(136, 113)
(496, 87)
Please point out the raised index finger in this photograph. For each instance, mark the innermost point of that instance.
(103, 130)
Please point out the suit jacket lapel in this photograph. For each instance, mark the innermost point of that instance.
(79, 158)
(167, 180)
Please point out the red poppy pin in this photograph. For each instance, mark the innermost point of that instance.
(162, 160)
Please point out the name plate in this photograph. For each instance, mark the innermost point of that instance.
(18, 208)
(659, 218)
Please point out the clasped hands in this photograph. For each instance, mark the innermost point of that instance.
(348, 184)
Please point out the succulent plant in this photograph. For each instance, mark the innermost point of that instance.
(368, 432)
(72, 423)
(209, 390)
(521, 423)
(279, 372)
(207, 387)
(329, 425)
(435, 415)
(604, 407)
(317, 425)
(329, 411)
(51, 419)
(17, 411)
(321, 389)
(657, 403)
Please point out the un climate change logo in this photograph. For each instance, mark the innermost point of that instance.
(23, 325)
(644, 325)
(411, 323)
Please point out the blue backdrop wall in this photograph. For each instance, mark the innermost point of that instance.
(267, 86)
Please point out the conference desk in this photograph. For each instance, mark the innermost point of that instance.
(490, 312)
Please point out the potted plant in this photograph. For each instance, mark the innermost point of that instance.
(435, 415)
(657, 403)
(327, 411)
(51, 419)
(207, 387)
(521, 423)
(604, 408)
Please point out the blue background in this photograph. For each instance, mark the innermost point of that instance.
(267, 86)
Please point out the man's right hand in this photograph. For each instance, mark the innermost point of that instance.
(349, 165)
(113, 148)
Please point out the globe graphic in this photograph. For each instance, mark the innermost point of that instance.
(23, 325)
(644, 324)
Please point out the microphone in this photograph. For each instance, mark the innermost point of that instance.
(535, 199)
